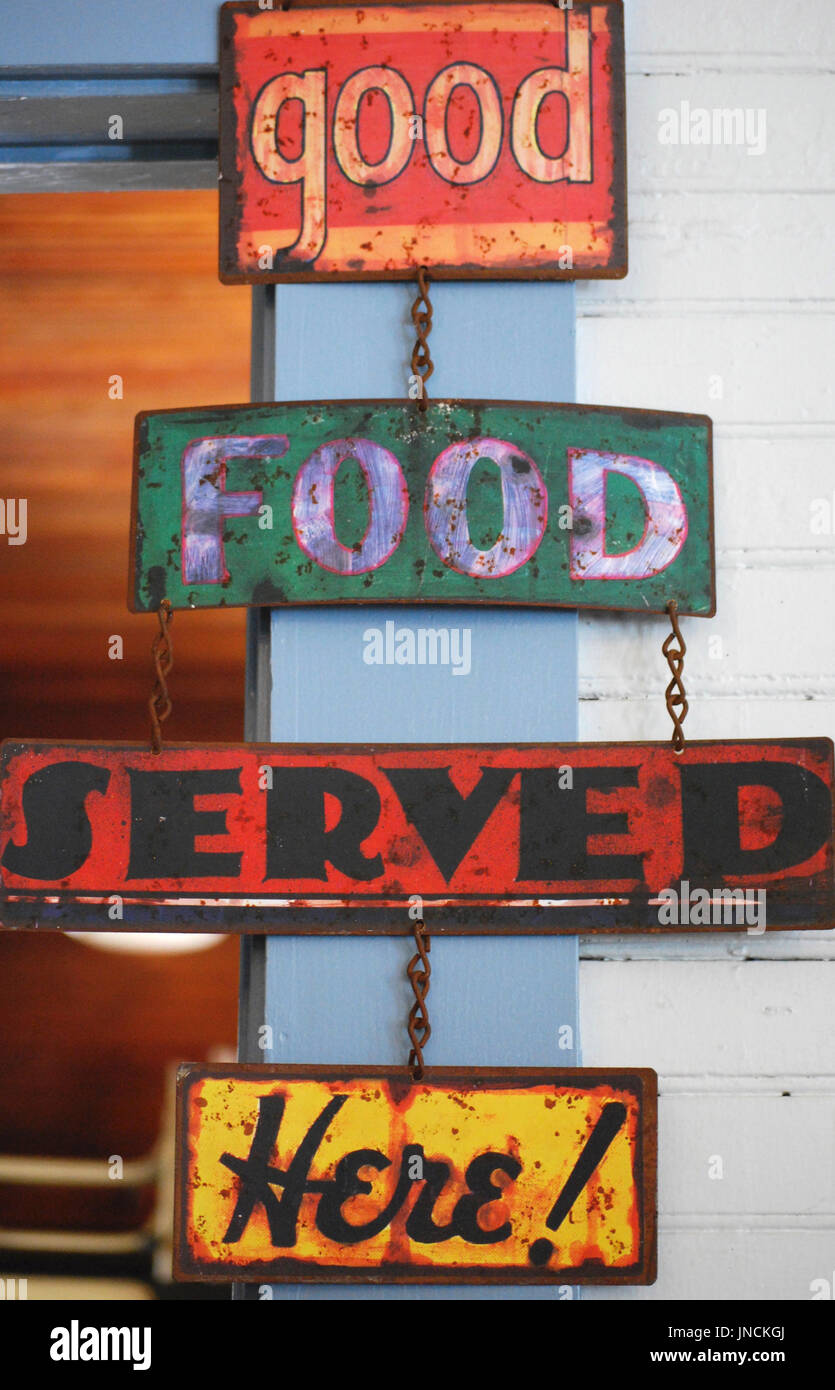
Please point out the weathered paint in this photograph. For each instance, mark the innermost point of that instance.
(467, 502)
(491, 838)
(474, 139)
(528, 1176)
(313, 507)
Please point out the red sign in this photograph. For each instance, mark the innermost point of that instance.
(488, 838)
(473, 139)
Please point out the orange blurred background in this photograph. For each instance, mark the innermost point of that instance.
(95, 286)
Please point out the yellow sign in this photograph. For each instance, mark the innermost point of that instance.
(286, 1174)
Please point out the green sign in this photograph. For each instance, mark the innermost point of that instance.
(498, 502)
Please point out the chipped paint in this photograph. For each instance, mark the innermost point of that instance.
(478, 140)
(527, 1176)
(495, 839)
(469, 502)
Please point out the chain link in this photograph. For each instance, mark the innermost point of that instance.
(674, 694)
(422, 364)
(419, 972)
(162, 652)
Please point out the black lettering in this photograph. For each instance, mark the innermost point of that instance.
(58, 833)
(298, 845)
(257, 1176)
(482, 1192)
(420, 1225)
(711, 823)
(447, 822)
(555, 825)
(611, 1121)
(347, 1183)
(164, 824)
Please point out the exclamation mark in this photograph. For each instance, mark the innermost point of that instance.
(610, 1122)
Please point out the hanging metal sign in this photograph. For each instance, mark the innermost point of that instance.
(491, 838)
(334, 1174)
(465, 502)
(474, 139)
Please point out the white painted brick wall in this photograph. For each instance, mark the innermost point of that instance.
(732, 277)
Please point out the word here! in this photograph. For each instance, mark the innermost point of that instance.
(330, 1174)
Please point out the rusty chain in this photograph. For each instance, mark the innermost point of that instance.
(419, 971)
(162, 652)
(422, 364)
(674, 694)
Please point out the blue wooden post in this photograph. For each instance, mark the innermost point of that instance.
(492, 1001)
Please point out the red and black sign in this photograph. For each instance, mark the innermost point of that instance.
(490, 838)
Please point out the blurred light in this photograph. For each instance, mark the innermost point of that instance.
(147, 943)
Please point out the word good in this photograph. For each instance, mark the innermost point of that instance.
(477, 140)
